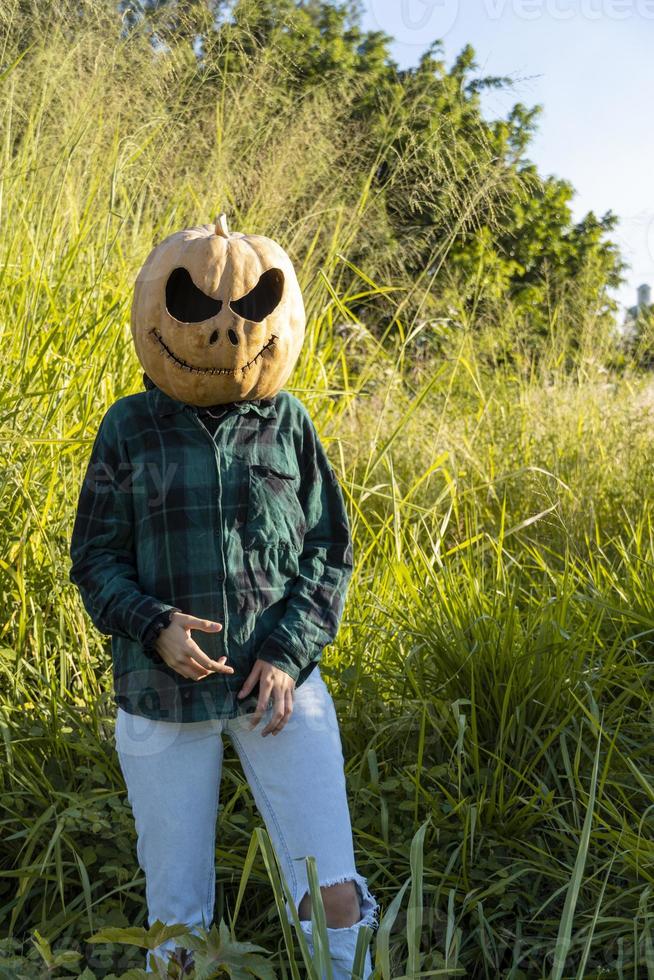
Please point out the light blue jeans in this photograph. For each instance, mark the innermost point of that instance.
(172, 771)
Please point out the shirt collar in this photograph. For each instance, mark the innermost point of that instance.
(166, 405)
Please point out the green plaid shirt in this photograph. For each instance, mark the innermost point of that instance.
(247, 527)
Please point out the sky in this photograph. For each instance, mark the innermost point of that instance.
(590, 65)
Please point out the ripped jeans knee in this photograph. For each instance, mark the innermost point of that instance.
(343, 941)
(369, 914)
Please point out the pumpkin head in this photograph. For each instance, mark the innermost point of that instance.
(217, 316)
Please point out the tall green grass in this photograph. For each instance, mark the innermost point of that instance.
(493, 673)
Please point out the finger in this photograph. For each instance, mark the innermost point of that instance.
(193, 652)
(287, 703)
(195, 623)
(250, 681)
(288, 697)
(277, 712)
(221, 667)
(188, 667)
(282, 706)
(182, 668)
(216, 668)
(262, 704)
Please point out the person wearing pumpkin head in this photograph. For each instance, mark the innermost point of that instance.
(211, 542)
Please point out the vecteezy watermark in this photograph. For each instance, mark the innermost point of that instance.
(419, 21)
(138, 479)
(568, 9)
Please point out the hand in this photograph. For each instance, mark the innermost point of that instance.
(176, 647)
(272, 681)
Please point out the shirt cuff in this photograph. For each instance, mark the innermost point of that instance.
(273, 653)
(152, 631)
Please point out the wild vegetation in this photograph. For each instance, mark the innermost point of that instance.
(493, 673)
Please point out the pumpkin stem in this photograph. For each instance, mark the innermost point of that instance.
(221, 225)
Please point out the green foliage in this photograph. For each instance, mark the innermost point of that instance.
(459, 210)
(639, 342)
(144, 938)
(216, 954)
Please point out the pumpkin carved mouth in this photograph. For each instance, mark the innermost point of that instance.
(164, 348)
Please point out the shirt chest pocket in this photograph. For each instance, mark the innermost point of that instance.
(274, 514)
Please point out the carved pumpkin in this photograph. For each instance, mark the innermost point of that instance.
(217, 316)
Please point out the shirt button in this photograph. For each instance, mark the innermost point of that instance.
(221, 576)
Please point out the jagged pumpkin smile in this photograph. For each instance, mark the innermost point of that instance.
(208, 370)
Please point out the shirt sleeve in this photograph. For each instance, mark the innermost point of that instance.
(317, 599)
(151, 635)
(102, 543)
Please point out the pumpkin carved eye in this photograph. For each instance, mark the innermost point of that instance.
(186, 302)
(263, 299)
